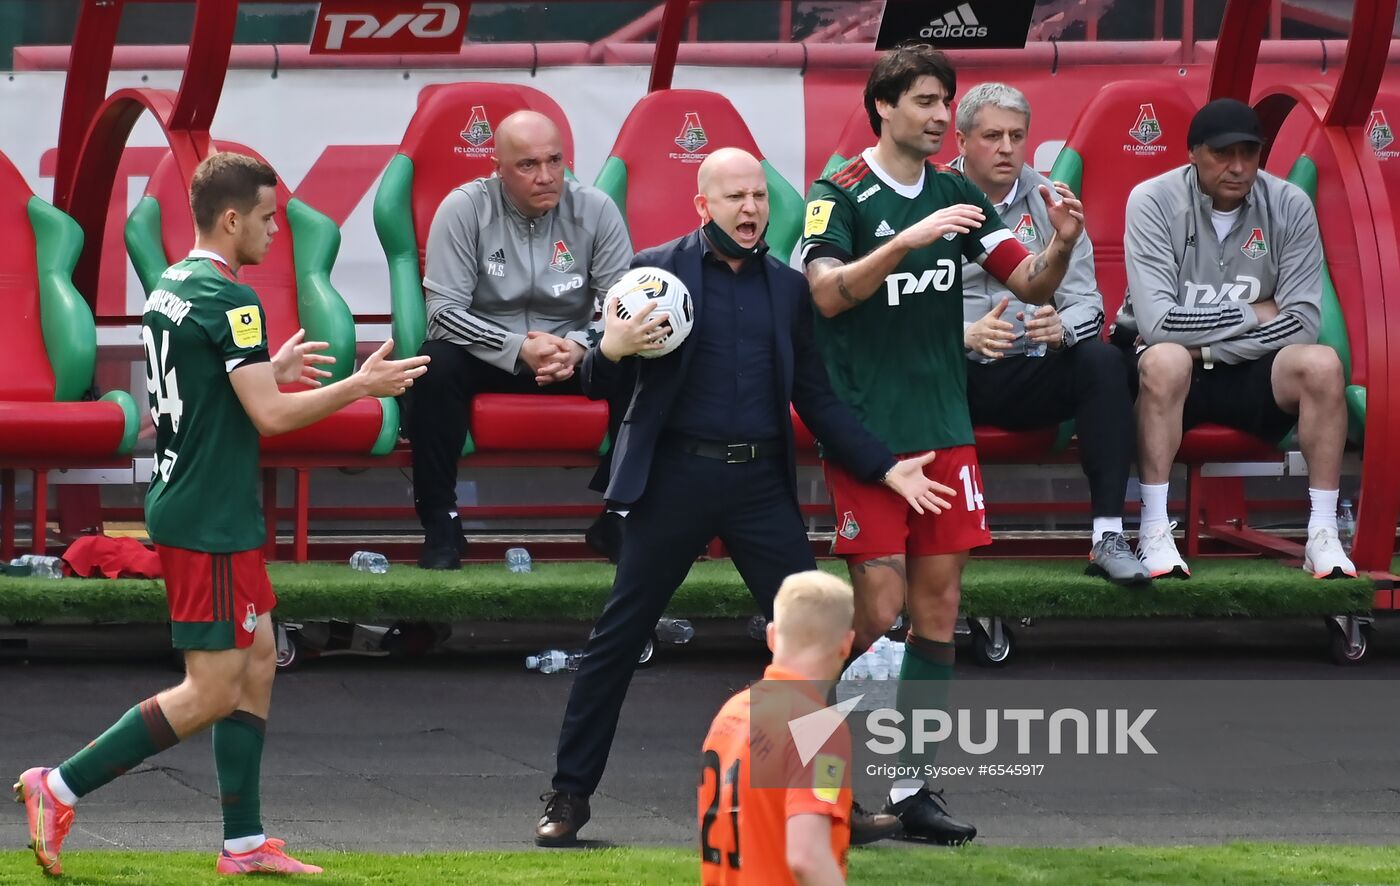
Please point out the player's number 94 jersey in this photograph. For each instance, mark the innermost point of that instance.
(197, 326)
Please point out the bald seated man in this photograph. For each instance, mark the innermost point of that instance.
(707, 451)
(516, 268)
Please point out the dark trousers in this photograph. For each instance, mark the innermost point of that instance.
(688, 501)
(1088, 383)
(439, 414)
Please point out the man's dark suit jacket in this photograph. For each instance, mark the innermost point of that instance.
(802, 379)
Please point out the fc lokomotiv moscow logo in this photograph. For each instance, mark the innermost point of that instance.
(477, 132)
(1255, 246)
(1380, 135)
(692, 136)
(1146, 131)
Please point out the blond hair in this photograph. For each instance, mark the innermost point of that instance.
(813, 609)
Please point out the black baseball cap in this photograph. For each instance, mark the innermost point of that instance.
(1224, 122)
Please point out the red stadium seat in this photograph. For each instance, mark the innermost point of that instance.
(449, 142)
(650, 172)
(46, 367)
(1129, 132)
(293, 284)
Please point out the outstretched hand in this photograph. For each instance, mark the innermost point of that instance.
(907, 479)
(297, 360)
(383, 377)
(1066, 214)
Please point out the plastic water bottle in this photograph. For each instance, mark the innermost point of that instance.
(553, 660)
(896, 656)
(369, 561)
(43, 567)
(1346, 525)
(674, 630)
(518, 560)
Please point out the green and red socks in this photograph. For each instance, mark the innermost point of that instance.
(141, 732)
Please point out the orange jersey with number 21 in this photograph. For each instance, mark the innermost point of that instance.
(743, 810)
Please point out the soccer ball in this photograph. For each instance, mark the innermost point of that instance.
(641, 285)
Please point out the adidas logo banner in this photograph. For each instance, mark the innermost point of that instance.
(949, 24)
(884, 229)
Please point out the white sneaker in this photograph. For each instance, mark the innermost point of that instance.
(1157, 551)
(1324, 557)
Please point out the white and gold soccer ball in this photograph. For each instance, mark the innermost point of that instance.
(641, 285)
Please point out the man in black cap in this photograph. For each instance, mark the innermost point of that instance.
(1221, 317)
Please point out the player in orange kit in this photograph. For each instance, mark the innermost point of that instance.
(766, 816)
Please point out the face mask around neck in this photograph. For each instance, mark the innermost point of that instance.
(726, 246)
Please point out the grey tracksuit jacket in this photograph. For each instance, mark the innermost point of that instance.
(1185, 286)
(1077, 300)
(491, 274)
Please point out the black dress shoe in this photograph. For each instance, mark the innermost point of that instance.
(868, 827)
(443, 543)
(924, 817)
(563, 815)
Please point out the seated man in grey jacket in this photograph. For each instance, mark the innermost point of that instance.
(515, 272)
(1223, 309)
(1035, 367)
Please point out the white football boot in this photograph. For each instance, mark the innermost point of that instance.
(1324, 558)
(1157, 551)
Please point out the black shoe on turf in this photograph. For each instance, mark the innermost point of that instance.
(925, 817)
(868, 827)
(443, 543)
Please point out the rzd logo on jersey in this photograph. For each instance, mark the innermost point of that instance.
(1025, 229)
(1380, 135)
(691, 139)
(939, 278)
(1201, 295)
(477, 132)
(563, 260)
(1146, 131)
(1255, 247)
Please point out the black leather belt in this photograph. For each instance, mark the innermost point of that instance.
(730, 453)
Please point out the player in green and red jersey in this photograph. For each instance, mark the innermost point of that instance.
(213, 390)
(884, 241)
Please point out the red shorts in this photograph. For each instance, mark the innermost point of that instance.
(872, 521)
(215, 599)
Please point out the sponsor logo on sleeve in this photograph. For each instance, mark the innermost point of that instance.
(818, 217)
(246, 325)
(828, 772)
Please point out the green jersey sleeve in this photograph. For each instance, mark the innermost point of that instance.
(828, 223)
(234, 321)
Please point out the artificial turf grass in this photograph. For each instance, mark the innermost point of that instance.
(1238, 864)
(576, 591)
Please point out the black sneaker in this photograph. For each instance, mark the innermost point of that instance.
(924, 817)
(868, 827)
(443, 543)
